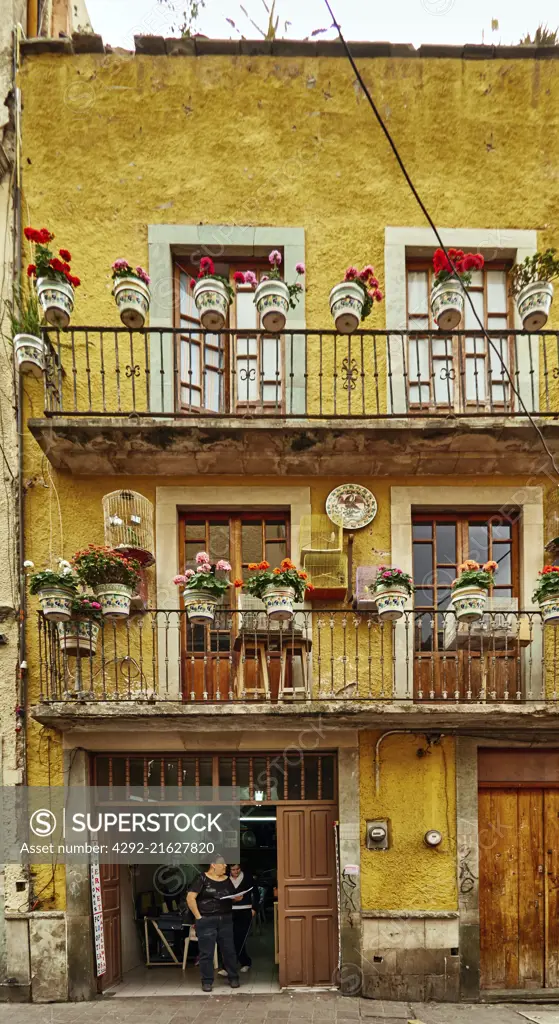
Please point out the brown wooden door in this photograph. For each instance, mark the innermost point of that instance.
(518, 888)
(110, 894)
(307, 894)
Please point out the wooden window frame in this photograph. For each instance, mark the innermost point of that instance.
(457, 355)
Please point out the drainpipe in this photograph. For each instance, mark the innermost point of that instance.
(32, 18)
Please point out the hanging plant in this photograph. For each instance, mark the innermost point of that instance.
(470, 589)
(447, 296)
(213, 294)
(352, 301)
(532, 288)
(273, 296)
(25, 321)
(131, 293)
(278, 588)
(53, 277)
(203, 587)
(55, 590)
(111, 575)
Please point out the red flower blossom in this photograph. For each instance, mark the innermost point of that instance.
(74, 281)
(206, 265)
(31, 270)
(45, 236)
(239, 277)
(192, 282)
(57, 265)
(65, 254)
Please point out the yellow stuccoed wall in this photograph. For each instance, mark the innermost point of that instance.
(114, 143)
(416, 794)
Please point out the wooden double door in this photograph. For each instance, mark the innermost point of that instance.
(519, 887)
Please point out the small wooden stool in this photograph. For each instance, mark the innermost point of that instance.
(297, 647)
(192, 935)
(259, 649)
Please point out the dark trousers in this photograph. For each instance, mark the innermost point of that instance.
(242, 920)
(216, 928)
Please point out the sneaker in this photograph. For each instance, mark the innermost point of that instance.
(245, 968)
(234, 983)
(222, 972)
(207, 986)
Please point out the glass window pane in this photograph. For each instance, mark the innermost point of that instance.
(478, 542)
(443, 600)
(119, 771)
(195, 530)
(191, 549)
(469, 318)
(212, 356)
(444, 386)
(276, 552)
(418, 323)
(102, 771)
(246, 311)
(190, 397)
(247, 346)
(294, 777)
(422, 531)
(136, 771)
(418, 299)
(475, 379)
(419, 358)
(501, 531)
(251, 542)
(328, 777)
(219, 541)
(190, 363)
(502, 555)
(271, 393)
(275, 530)
(446, 542)
(424, 597)
(477, 279)
(496, 291)
(247, 384)
(445, 577)
(206, 774)
(498, 323)
(422, 563)
(213, 391)
(419, 395)
(271, 356)
(184, 293)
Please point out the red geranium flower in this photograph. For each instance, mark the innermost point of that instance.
(65, 254)
(207, 265)
(45, 236)
(31, 270)
(57, 265)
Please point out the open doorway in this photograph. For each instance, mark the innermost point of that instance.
(160, 952)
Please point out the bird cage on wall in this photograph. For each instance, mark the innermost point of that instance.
(365, 580)
(327, 572)
(318, 533)
(552, 526)
(128, 521)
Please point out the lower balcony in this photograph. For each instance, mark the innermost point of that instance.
(329, 663)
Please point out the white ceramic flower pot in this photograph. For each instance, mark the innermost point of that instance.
(56, 603)
(211, 299)
(114, 599)
(200, 606)
(469, 603)
(346, 306)
(533, 303)
(78, 635)
(132, 298)
(29, 354)
(447, 305)
(278, 602)
(390, 601)
(56, 299)
(272, 302)
(549, 607)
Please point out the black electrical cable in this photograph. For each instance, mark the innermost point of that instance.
(432, 224)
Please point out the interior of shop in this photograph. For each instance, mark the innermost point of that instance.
(159, 950)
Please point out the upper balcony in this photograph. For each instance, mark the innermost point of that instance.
(159, 401)
(341, 666)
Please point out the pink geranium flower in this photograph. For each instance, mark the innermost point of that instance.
(300, 268)
(250, 278)
(202, 557)
(120, 264)
(223, 565)
(143, 275)
(204, 567)
(275, 258)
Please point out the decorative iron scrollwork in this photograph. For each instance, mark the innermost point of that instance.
(556, 372)
(133, 371)
(349, 374)
(447, 374)
(248, 374)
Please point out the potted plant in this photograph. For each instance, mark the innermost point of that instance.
(80, 634)
(54, 280)
(469, 590)
(203, 588)
(213, 294)
(273, 296)
(531, 285)
(277, 588)
(111, 575)
(352, 300)
(447, 295)
(547, 594)
(392, 589)
(55, 590)
(131, 293)
(25, 320)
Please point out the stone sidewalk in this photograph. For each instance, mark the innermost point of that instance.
(283, 1008)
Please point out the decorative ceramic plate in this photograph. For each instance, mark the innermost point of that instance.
(353, 504)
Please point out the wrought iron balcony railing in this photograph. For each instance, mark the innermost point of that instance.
(157, 372)
(335, 656)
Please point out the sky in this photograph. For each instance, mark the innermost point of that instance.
(398, 21)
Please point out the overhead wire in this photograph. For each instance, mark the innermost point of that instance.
(433, 226)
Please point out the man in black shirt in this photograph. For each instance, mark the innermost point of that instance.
(210, 898)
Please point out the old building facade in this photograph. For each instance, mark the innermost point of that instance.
(236, 439)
